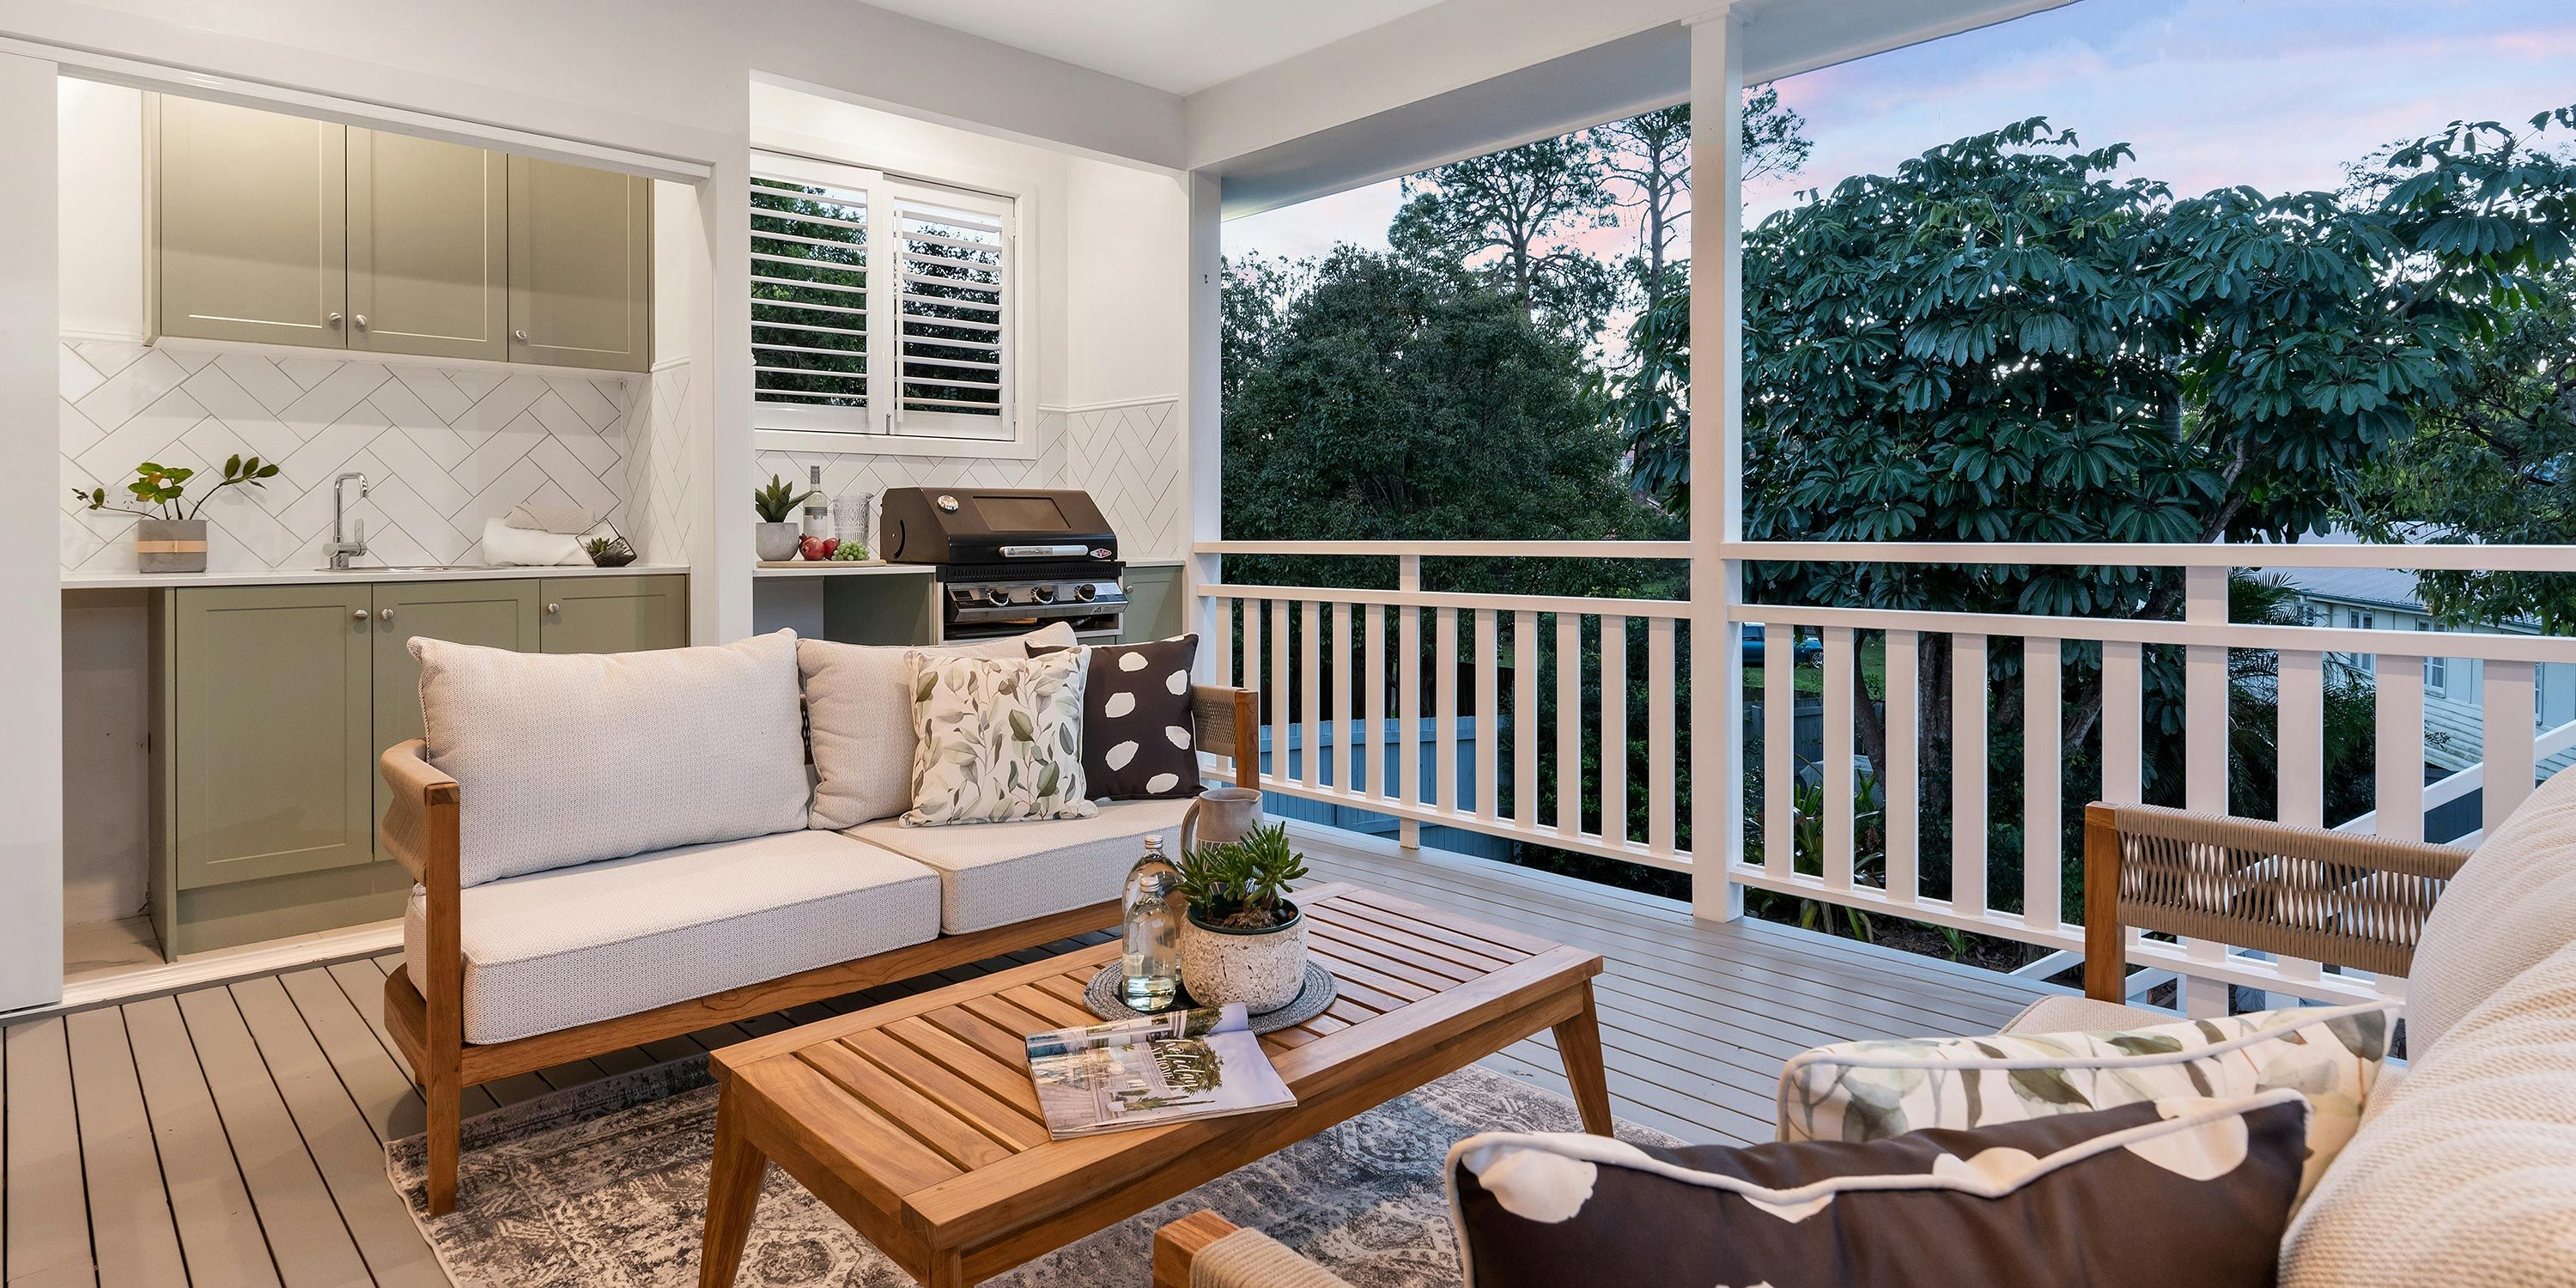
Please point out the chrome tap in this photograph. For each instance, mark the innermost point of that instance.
(346, 545)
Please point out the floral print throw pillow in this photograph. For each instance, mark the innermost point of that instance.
(1863, 1091)
(999, 739)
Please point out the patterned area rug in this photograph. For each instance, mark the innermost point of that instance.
(606, 1185)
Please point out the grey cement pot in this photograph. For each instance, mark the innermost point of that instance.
(775, 541)
(170, 545)
(1263, 969)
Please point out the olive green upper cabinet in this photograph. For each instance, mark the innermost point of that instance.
(581, 266)
(252, 225)
(615, 614)
(428, 230)
(269, 765)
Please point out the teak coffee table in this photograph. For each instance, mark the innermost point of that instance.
(915, 1120)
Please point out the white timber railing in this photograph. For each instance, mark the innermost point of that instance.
(1280, 638)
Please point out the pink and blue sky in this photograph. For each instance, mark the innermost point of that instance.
(2277, 94)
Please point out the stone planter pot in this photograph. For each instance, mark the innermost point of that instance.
(170, 545)
(1263, 969)
(775, 541)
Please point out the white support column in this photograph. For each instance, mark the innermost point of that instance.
(1717, 466)
(1408, 720)
(720, 583)
(31, 635)
(2204, 746)
(1202, 407)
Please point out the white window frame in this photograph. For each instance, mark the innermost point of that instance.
(884, 426)
(2437, 670)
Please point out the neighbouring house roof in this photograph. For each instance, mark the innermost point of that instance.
(2374, 587)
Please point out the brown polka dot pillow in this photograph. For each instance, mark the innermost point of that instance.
(1139, 740)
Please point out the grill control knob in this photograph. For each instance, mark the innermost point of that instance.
(1086, 592)
(1043, 594)
(998, 596)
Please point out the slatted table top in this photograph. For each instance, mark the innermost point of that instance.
(916, 1120)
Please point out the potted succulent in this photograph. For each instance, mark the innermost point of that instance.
(1243, 940)
(170, 536)
(777, 536)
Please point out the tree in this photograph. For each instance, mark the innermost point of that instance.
(1382, 397)
(1649, 155)
(1508, 214)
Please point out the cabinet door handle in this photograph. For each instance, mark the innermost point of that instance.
(554, 610)
(520, 336)
(358, 616)
(385, 615)
(335, 321)
(361, 320)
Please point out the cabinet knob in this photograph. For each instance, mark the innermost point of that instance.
(384, 615)
(358, 616)
(335, 321)
(554, 610)
(361, 320)
(520, 336)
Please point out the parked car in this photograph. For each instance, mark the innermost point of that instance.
(1810, 650)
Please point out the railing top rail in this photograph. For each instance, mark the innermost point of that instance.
(1608, 607)
(2164, 555)
(2483, 645)
(1458, 549)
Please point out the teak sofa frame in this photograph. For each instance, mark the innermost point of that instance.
(421, 830)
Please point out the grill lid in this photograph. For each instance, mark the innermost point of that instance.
(993, 526)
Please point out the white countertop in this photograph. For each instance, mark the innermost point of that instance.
(310, 576)
(841, 568)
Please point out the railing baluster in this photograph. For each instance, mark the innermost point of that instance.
(1525, 720)
(1659, 735)
(1282, 729)
(1219, 644)
(1489, 724)
(1614, 730)
(1344, 727)
(1900, 780)
(1373, 737)
(1408, 706)
(2400, 751)
(1444, 655)
(2123, 689)
(1310, 648)
(2509, 710)
(1250, 676)
(1840, 823)
(2301, 740)
(1569, 724)
(1968, 773)
(1779, 747)
(2204, 743)
(2042, 781)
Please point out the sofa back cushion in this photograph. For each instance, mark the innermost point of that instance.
(858, 703)
(581, 757)
(2512, 905)
(2464, 1171)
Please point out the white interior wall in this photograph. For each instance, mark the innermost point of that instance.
(101, 205)
(31, 642)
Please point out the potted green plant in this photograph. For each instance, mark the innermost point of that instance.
(170, 537)
(776, 537)
(1243, 940)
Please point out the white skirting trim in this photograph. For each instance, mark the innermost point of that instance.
(223, 965)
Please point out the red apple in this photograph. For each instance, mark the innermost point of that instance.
(819, 548)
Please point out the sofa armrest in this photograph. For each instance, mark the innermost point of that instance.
(1230, 718)
(418, 793)
(2332, 897)
(1204, 1250)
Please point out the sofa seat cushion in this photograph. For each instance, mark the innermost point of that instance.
(551, 950)
(2464, 1172)
(994, 874)
(2074, 1014)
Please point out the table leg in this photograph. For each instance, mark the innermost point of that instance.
(1578, 1043)
(733, 1193)
(947, 1270)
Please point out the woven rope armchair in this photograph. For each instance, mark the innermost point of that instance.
(2332, 897)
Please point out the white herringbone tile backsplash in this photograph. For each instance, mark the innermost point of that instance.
(443, 448)
(1128, 458)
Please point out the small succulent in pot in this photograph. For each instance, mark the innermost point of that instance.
(1244, 939)
(776, 538)
(609, 551)
(171, 536)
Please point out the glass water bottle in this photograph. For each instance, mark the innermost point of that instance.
(1151, 967)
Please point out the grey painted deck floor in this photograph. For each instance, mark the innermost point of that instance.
(231, 1135)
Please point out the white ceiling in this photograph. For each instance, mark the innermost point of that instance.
(1178, 46)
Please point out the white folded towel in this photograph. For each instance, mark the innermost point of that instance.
(503, 544)
(571, 520)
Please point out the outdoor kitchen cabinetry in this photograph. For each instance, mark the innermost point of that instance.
(284, 230)
(273, 703)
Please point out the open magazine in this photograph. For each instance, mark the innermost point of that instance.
(1203, 1063)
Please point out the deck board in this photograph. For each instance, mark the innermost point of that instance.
(237, 1128)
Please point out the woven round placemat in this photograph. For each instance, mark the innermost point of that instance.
(1102, 997)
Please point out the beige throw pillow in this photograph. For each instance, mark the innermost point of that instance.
(2510, 907)
(575, 758)
(858, 707)
(1000, 739)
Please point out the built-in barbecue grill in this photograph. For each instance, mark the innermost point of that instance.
(1010, 560)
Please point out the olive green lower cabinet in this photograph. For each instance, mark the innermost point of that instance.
(274, 703)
